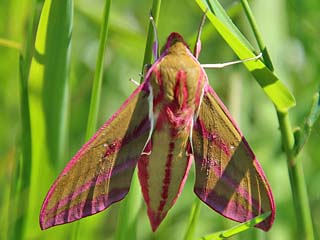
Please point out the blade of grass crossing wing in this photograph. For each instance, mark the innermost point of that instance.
(96, 89)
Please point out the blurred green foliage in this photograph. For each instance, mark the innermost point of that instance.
(290, 31)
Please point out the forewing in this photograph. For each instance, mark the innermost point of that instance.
(229, 179)
(100, 173)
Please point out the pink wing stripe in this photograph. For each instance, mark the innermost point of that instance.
(167, 178)
(227, 207)
(226, 178)
(95, 182)
(85, 208)
(212, 137)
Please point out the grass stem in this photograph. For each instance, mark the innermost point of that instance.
(297, 181)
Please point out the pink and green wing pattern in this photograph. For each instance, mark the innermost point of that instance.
(100, 173)
(229, 179)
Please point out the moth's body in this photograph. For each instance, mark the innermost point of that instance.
(176, 96)
(171, 118)
(176, 100)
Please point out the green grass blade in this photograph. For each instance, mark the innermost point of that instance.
(297, 181)
(216, 8)
(96, 91)
(194, 217)
(22, 172)
(155, 11)
(97, 82)
(128, 214)
(302, 135)
(315, 110)
(20, 183)
(272, 86)
(237, 229)
(48, 97)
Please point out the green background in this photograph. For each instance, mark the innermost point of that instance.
(290, 30)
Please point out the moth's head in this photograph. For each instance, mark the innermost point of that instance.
(175, 40)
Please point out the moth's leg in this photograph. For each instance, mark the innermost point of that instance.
(197, 46)
(134, 82)
(146, 68)
(141, 75)
(222, 65)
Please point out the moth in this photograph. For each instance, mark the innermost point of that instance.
(172, 119)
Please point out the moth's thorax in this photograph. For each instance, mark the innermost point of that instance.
(178, 78)
(178, 48)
